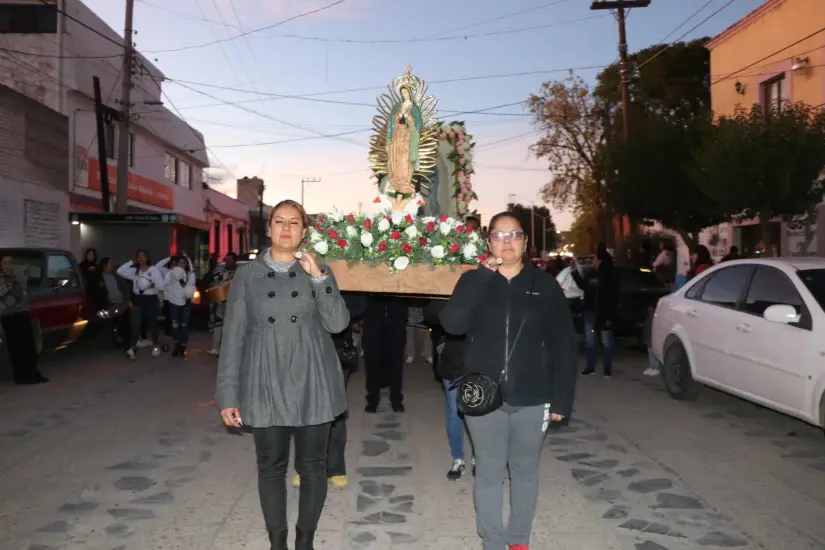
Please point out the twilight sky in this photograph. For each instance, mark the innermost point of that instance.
(365, 44)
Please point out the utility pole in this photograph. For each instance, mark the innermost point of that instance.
(100, 114)
(121, 205)
(620, 6)
(261, 222)
(303, 184)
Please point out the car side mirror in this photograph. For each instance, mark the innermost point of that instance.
(782, 314)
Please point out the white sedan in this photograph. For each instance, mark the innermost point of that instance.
(752, 328)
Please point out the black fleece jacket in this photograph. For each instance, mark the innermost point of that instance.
(524, 325)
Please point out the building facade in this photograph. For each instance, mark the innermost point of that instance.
(34, 165)
(53, 58)
(765, 59)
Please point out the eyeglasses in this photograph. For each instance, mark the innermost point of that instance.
(507, 235)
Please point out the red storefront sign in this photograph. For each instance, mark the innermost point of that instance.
(140, 189)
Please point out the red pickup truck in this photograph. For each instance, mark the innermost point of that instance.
(56, 293)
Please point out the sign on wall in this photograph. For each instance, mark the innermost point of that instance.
(41, 224)
(140, 189)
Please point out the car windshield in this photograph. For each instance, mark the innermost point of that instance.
(814, 279)
(28, 265)
(636, 278)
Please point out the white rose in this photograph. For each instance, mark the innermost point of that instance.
(351, 231)
(401, 262)
(366, 239)
(474, 237)
(314, 236)
(445, 228)
(428, 219)
(383, 225)
(470, 251)
(411, 232)
(336, 216)
(321, 247)
(437, 252)
(397, 218)
(370, 215)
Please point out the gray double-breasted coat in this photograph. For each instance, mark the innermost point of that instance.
(278, 363)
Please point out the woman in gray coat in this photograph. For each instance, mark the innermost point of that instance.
(279, 373)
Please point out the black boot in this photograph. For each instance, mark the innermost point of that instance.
(304, 539)
(176, 350)
(277, 540)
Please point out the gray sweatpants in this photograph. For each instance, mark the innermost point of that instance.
(509, 437)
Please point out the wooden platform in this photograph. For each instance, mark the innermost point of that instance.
(420, 280)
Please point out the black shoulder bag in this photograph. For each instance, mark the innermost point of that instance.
(479, 394)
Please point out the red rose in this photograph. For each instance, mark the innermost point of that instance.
(459, 229)
(409, 219)
(376, 200)
(443, 218)
(430, 226)
(342, 243)
(468, 230)
(454, 248)
(332, 233)
(318, 226)
(323, 217)
(395, 235)
(382, 246)
(367, 223)
(351, 218)
(481, 258)
(423, 241)
(406, 248)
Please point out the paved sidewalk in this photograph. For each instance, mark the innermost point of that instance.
(130, 456)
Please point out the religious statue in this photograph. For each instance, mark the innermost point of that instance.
(403, 147)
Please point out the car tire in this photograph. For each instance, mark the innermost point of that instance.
(676, 374)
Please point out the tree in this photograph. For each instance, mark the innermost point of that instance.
(541, 213)
(571, 119)
(654, 179)
(583, 235)
(765, 163)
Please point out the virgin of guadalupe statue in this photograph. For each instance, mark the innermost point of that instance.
(403, 146)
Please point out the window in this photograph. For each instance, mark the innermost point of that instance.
(28, 19)
(814, 279)
(111, 141)
(771, 287)
(241, 240)
(60, 272)
(184, 174)
(28, 266)
(230, 245)
(695, 292)
(170, 169)
(774, 94)
(131, 150)
(216, 233)
(725, 287)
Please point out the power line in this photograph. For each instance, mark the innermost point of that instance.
(500, 17)
(437, 39)
(746, 67)
(247, 33)
(685, 22)
(702, 22)
(58, 56)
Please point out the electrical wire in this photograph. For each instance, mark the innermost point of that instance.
(58, 56)
(247, 33)
(685, 22)
(702, 22)
(501, 17)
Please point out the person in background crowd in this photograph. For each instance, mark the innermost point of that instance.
(146, 281)
(384, 338)
(17, 325)
(450, 351)
(653, 367)
(179, 288)
(700, 260)
(92, 275)
(217, 310)
(600, 311)
(555, 266)
(279, 372)
(664, 266)
(733, 254)
(116, 297)
(521, 334)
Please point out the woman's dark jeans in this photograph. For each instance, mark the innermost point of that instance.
(180, 323)
(144, 310)
(272, 449)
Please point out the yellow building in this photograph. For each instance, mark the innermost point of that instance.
(774, 54)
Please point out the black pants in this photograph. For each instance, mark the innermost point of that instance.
(336, 463)
(22, 346)
(121, 330)
(272, 449)
(384, 344)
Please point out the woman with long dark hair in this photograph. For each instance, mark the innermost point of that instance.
(521, 334)
(179, 288)
(700, 260)
(279, 372)
(146, 281)
(92, 275)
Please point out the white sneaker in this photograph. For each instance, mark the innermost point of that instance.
(130, 353)
(651, 372)
(155, 351)
(144, 344)
(409, 360)
(457, 470)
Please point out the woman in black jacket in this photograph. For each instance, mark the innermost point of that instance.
(601, 306)
(520, 331)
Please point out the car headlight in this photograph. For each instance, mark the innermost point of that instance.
(196, 297)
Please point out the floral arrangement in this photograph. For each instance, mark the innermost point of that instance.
(461, 156)
(396, 239)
